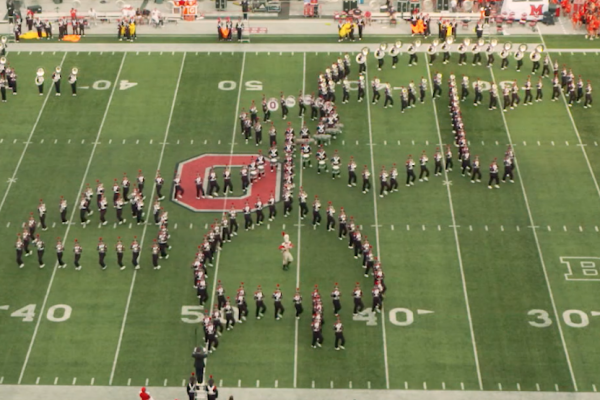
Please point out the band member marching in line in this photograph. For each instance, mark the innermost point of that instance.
(316, 207)
(515, 98)
(494, 176)
(277, 300)
(539, 95)
(330, 212)
(135, 253)
(343, 230)
(56, 77)
(423, 160)
(508, 170)
(528, 99)
(101, 247)
(335, 298)
(422, 90)
(366, 175)
(375, 83)
(40, 247)
(351, 172)
(476, 170)
(388, 96)
(588, 96)
(73, 81)
(465, 159)
(60, 250)
(338, 328)
(259, 298)
(336, 163)
(199, 186)
(410, 171)
(77, 250)
(506, 98)
(437, 158)
(284, 108)
(383, 182)
(120, 249)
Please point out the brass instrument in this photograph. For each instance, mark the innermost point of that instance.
(535, 56)
(361, 57)
(39, 78)
(380, 52)
(3, 40)
(412, 49)
(507, 46)
(432, 49)
(523, 48)
(447, 43)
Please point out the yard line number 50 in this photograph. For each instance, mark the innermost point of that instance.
(56, 313)
(572, 318)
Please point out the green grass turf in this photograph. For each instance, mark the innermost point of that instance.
(504, 277)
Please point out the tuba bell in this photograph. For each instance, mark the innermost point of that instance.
(523, 47)
(74, 71)
(2, 60)
(361, 58)
(39, 78)
(539, 48)
(432, 49)
(365, 51)
(3, 40)
(380, 52)
(394, 51)
(494, 42)
(508, 46)
(535, 56)
(466, 42)
(447, 43)
(412, 49)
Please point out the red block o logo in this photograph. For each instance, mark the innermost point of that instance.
(189, 169)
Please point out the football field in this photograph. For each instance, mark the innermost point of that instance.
(486, 289)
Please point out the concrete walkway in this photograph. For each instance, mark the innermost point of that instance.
(13, 392)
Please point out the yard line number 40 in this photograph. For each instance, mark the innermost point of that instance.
(572, 318)
(56, 313)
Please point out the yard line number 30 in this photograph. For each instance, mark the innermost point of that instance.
(56, 313)
(572, 318)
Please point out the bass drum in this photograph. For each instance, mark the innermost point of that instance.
(290, 101)
(272, 104)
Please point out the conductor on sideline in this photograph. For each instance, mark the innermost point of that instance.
(199, 356)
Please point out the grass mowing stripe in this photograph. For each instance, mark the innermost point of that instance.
(298, 244)
(160, 158)
(562, 93)
(374, 192)
(37, 120)
(75, 208)
(539, 250)
(235, 119)
(456, 239)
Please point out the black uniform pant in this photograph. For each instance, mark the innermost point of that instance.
(462, 58)
(134, 258)
(103, 215)
(343, 231)
(490, 60)
(376, 96)
(316, 218)
(272, 212)
(245, 183)
(57, 87)
(352, 178)
(302, 110)
(59, 257)
(260, 308)
(393, 184)
(437, 90)
(284, 111)
(539, 95)
(358, 305)
(546, 70)
(234, 225)
(466, 164)
(41, 89)
(83, 215)
(279, 310)
(476, 58)
(504, 63)
(317, 338)
(410, 176)
(438, 167)
(475, 174)
(303, 210)
(508, 173)
(528, 97)
(299, 309)
(202, 295)
(339, 339)
(337, 306)
(413, 59)
(247, 221)
(478, 97)
(200, 372)
(229, 321)
(388, 99)
(493, 102)
(519, 64)
(40, 254)
(383, 187)
(221, 303)
(3, 93)
(494, 178)
(227, 186)
(267, 116)
(120, 259)
(260, 217)
(76, 260)
(366, 185)
(74, 88)
(101, 259)
(424, 171)
(588, 100)
(213, 186)
(330, 222)
(376, 304)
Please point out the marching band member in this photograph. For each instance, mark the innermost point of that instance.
(343, 230)
(277, 300)
(330, 212)
(504, 56)
(546, 67)
(508, 170)
(351, 172)
(515, 98)
(555, 88)
(258, 209)
(588, 96)
(239, 28)
(379, 55)
(412, 94)
(297, 300)
(375, 86)
(3, 84)
(539, 95)
(77, 250)
(412, 50)
(478, 92)
(338, 328)
(361, 88)
(383, 182)
(437, 85)
(493, 97)
(462, 54)
(519, 57)
(316, 212)
(506, 98)
(56, 79)
(345, 90)
(422, 90)
(528, 99)
(494, 175)
(476, 170)
(423, 160)
(410, 171)
(366, 175)
(284, 108)
(336, 163)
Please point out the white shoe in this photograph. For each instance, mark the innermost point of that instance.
(122, 268)
(42, 266)
(137, 267)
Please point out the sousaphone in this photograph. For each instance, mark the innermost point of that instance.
(395, 49)
(39, 78)
(361, 57)
(380, 52)
(432, 49)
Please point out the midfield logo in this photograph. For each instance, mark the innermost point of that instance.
(188, 169)
(582, 268)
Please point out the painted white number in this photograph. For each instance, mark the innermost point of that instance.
(66, 313)
(192, 311)
(227, 85)
(27, 313)
(124, 85)
(542, 318)
(580, 322)
(101, 85)
(484, 86)
(408, 318)
(254, 85)
(368, 316)
(250, 85)
(504, 84)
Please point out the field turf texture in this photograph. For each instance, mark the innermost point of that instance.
(486, 262)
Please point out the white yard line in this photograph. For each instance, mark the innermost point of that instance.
(75, 208)
(587, 160)
(28, 142)
(235, 120)
(539, 250)
(160, 159)
(296, 327)
(456, 239)
(375, 215)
